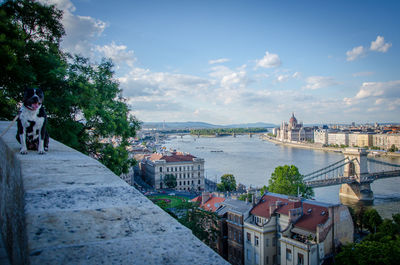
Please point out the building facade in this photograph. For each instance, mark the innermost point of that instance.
(188, 170)
(294, 131)
(285, 230)
(234, 212)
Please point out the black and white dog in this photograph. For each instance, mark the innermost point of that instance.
(32, 134)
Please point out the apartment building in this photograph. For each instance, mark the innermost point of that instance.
(233, 213)
(188, 170)
(288, 230)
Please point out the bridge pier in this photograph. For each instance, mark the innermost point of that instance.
(358, 191)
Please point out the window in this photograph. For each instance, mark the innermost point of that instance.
(167, 169)
(198, 167)
(199, 181)
(248, 255)
(256, 240)
(266, 260)
(234, 235)
(257, 258)
(300, 259)
(180, 183)
(198, 174)
(180, 169)
(184, 182)
(160, 169)
(274, 241)
(248, 237)
(274, 259)
(288, 254)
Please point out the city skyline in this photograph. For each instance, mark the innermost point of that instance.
(226, 62)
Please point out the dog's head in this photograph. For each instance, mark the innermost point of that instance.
(33, 98)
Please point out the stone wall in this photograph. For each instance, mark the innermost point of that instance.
(66, 208)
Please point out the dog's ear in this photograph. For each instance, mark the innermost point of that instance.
(28, 93)
(39, 93)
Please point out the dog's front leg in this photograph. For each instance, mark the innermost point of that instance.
(42, 136)
(22, 138)
(41, 146)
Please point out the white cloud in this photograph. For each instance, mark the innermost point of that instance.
(355, 53)
(379, 99)
(80, 31)
(389, 89)
(316, 82)
(296, 75)
(379, 45)
(269, 60)
(118, 53)
(222, 60)
(282, 78)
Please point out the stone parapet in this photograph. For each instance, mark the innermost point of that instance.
(67, 208)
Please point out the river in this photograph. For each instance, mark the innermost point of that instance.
(252, 160)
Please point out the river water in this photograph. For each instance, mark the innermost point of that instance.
(252, 160)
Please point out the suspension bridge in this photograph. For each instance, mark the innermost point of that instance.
(355, 172)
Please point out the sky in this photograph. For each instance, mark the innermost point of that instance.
(231, 61)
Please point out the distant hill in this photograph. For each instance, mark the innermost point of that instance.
(202, 125)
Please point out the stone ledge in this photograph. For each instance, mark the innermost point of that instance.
(67, 208)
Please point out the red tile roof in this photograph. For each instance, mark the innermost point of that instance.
(173, 157)
(211, 205)
(308, 221)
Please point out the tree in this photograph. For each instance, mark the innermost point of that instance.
(170, 181)
(263, 190)
(370, 252)
(248, 196)
(393, 148)
(228, 183)
(372, 220)
(83, 100)
(287, 180)
(30, 35)
(202, 223)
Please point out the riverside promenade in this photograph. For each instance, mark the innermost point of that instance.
(317, 146)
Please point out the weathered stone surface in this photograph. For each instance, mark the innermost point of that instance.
(66, 208)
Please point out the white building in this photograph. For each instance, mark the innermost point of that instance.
(188, 170)
(338, 139)
(321, 136)
(285, 230)
(294, 132)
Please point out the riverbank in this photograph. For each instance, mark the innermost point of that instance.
(315, 146)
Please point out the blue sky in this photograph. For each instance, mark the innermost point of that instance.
(233, 61)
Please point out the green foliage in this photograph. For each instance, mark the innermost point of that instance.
(248, 196)
(287, 180)
(228, 183)
(370, 252)
(30, 35)
(263, 190)
(83, 100)
(170, 181)
(202, 223)
(380, 247)
(393, 148)
(372, 219)
(226, 131)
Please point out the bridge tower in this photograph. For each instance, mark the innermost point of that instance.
(357, 191)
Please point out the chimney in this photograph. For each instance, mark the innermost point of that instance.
(205, 196)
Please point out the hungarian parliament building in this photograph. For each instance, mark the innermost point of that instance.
(294, 131)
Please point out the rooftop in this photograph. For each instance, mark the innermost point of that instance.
(314, 212)
(172, 157)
